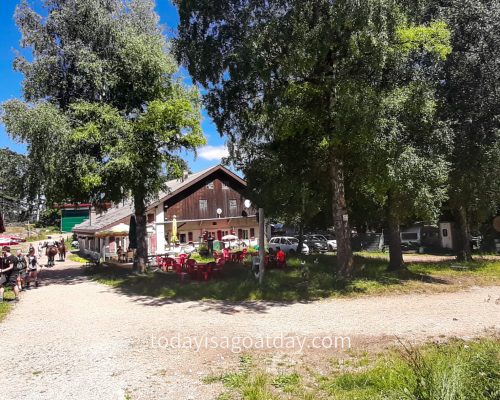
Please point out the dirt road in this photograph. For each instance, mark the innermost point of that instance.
(74, 338)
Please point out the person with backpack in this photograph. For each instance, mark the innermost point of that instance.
(22, 267)
(33, 268)
(8, 273)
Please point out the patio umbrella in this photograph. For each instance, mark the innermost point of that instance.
(132, 233)
(117, 230)
(173, 238)
(230, 237)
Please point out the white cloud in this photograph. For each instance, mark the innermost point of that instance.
(213, 153)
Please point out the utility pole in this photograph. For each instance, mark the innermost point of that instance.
(262, 250)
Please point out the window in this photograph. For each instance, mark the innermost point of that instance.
(151, 218)
(225, 185)
(283, 241)
(232, 205)
(210, 184)
(182, 238)
(203, 205)
(244, 234)
(252, 232)
(409, 236)
(190, 236)
(445, 232)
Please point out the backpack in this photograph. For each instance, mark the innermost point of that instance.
(32, 262)
(21, 264)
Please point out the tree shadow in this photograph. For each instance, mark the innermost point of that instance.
(62, 276)
(237, 290)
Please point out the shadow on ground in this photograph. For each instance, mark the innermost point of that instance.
(237, 291)
(62, 276)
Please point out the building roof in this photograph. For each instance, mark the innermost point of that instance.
(125, 209)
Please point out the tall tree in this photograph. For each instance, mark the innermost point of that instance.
(313, 62)
(104, 114)
(314, 71)
(471, 104)
(407, 156)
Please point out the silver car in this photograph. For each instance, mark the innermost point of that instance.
(288, 244)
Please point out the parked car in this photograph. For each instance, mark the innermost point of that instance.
(330, 241)
(288, 244)
(316, 244)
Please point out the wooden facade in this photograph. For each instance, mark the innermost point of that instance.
(202, 200)
(195, 209)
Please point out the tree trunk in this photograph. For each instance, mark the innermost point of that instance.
(396, 262)
(141, 254)
(301, 236)
(262, 243)
(463, 247)
(341, 221)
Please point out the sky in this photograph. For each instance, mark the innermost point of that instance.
(11, 81)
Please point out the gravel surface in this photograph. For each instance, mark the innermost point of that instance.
(74, 338)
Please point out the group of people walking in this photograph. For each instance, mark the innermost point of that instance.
(19, 271)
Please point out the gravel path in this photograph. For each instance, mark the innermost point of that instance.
(74, 338)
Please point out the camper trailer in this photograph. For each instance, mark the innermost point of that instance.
(421, 235)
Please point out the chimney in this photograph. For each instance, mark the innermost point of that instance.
(92, 215)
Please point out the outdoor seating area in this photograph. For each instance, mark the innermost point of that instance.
(189, 268)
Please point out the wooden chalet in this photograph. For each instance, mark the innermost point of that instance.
(210, 201)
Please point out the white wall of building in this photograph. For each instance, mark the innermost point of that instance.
(445, 233)
(160, 229)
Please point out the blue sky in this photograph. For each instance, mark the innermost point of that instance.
(10, 81)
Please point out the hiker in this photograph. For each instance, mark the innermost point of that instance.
(8, 273)
(40, 249)
(33, 269)
(22, 267)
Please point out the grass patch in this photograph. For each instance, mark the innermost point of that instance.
(4, 310)
(5, 306)
(76, 258)
(453, 371)
(294, 284)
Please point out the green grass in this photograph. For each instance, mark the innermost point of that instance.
(43, 234)
(76, 258)
(457, 370)
(5, 306)
(238, 284)
(4, 310)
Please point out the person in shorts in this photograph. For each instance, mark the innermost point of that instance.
(33, 268)
(8, 273)
(22, 269)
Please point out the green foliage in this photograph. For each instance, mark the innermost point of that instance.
(102, 91)
(434, 39)
(471, 105)
(49, 217)
(12, 173)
